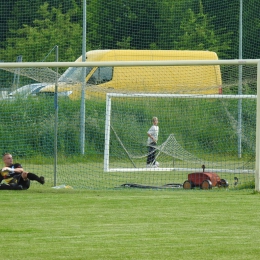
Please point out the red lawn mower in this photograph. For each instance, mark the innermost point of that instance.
(204, 180)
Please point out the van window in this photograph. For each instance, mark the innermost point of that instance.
(101, 75)
(73, 74)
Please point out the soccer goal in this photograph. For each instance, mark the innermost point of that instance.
(194, 130)
(219, 130)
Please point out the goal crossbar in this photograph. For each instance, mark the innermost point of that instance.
(217, 96)
(239, 171)
(128, 63)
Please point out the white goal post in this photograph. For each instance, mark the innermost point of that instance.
(108, 126)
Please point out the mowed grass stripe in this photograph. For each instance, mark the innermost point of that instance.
(43, 223)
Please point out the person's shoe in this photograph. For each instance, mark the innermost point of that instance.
(157, 164)
(42, 181)
(148, 165)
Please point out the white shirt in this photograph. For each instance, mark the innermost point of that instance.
(154, 132)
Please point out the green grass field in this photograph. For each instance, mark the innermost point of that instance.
(44, 223)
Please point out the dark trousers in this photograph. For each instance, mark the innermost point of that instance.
(17, 183)
(25, 184)
(151, 154)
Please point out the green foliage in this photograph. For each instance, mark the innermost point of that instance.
(251, 48)
(51, 28)
(226, 21)
(133, 25)
(36, 132)
(206, 127)
(36, 119)
(32, 29)
(198, 34)
(125, 43)
(246, 186)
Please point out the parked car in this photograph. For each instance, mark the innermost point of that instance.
(27, 90)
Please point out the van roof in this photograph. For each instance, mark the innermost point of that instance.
(148, 55)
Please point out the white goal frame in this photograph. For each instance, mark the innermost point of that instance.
(109, 97)
(238, 62)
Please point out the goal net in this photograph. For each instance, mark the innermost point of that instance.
(38, 122)
(194, 130)
(214, 130)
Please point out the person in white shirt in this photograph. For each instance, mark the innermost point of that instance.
(152, 133)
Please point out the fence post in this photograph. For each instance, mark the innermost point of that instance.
(257, 161)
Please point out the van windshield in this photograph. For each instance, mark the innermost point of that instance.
(73, 74)
(101, 75)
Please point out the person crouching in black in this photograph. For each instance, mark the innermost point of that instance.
(13, 177)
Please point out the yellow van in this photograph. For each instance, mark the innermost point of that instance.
(143, 79)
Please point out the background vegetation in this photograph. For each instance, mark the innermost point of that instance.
(32, 30)
(202, 126)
